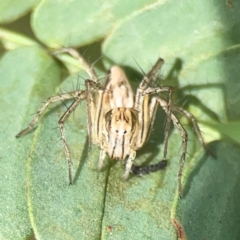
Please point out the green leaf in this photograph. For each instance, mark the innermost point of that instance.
(231, 130)
(14, 9)
(210, 209)
(11, 40)
(200, 44)
(23, 73)
(75, 23)
(204, 44)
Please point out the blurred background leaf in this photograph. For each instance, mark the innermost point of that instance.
(14, 9)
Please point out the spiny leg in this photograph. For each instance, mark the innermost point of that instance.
(184, 136)
(149, 116)
(195, 126)
(145, 83)
(145, 89)
(142, 105)
(75, 54)
(162, 163)
(94, 109)
(168, 110)
(149, 90)
(129, 164)
(144, 116)
(61, 126)
(88, 83)
(146, 120)
(168, 124)
(66, 96)
(147, 78)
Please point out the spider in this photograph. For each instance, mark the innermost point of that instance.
(119, 121)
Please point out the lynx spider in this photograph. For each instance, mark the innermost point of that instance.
(119, 122)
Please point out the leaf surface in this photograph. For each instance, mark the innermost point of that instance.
(201, 53)
(23, 73)
(12, 10)
(211, 209)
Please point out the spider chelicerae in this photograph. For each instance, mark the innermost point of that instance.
(119, 121)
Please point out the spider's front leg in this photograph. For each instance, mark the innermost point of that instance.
(168, 110)
(147, 111)
(94, 98)
(75, 54)
(40, 112)
(78, 96)
(61, 127)
(144, 91)
(147, 108)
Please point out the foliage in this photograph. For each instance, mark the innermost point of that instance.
(199, 41)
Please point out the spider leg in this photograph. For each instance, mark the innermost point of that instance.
(90, 95)
(61, 127)
(168, 110)
(146, 117)
(145, 83)
(129, 164)
(148, 77)
(96, 121)
(184, 136)
(57, 98)
(195, 126)
(75, 54)
(94, 109)
(149, 116)
(162, 164)
(145, 89)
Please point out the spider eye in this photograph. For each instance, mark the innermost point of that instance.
(116, 131)
(125, 132)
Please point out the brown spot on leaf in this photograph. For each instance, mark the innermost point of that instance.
(179, 229)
